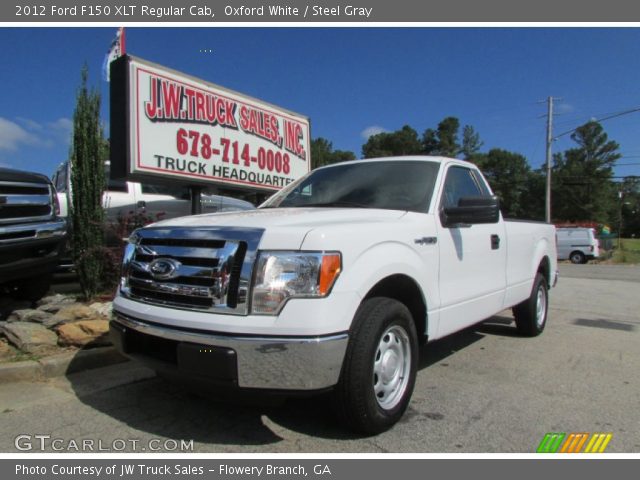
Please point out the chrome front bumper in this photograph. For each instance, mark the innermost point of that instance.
(288, 363)
(26, 232)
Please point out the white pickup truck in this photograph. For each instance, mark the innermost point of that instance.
(122, 198)
(332, 283)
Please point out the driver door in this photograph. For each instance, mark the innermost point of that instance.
(472, 258)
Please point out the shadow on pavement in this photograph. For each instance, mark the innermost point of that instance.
(158, 408)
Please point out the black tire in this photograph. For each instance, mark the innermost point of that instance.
(577, 257)
(531, 315)
(31, 289)
(379, 324)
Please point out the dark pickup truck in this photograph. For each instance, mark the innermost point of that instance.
(31, 233)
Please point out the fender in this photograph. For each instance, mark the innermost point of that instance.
(540, 251)
(367, 269)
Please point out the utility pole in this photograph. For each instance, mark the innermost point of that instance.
(547, 214)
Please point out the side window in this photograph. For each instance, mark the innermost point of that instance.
(459, 183)
(482, 184)
(117, 185)
(166, 189)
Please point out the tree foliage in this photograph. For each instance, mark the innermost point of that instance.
(629, 202)
(322, 153)
(87, 183)
(444, 140)
(508, 173)
(388, 144)
(583, 189)
(471, 143)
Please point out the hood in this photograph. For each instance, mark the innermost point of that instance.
(284, 217)
(10, 175)
(286, 228)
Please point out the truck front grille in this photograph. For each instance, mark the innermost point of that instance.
(204, 269)
(25, 202)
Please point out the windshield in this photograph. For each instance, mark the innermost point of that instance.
(393, 185)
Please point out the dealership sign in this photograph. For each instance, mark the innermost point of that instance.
(166, 125)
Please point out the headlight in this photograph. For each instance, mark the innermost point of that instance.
(284, 275)
(129, 253)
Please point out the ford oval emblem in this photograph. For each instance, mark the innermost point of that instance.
(164, 268)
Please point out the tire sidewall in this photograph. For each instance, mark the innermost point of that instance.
(540, 284)
(394, 314)
(578, 256)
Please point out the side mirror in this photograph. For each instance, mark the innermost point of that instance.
(471, 210)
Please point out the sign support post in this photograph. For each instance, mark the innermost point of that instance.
(196, 196)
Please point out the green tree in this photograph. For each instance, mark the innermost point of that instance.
(582, 177)
(388, 144)
(533, 196)
(322, 153)
(629, 203)
(471, 143)
(444, 140)
(508, 173)
(87, 183)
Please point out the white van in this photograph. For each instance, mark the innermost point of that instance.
(577, 244)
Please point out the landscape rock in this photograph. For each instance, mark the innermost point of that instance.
(103, 309)
(73, 313)
(55, 303)
(8, 305)
(58, 299)
(30, 337)
(29, 315)
(84, 332)
(6, 351)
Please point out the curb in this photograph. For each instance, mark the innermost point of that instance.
(59, 365)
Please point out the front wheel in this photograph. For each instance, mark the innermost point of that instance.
(531, 315)
(379, 370)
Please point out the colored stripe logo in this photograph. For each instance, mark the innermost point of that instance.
(574, 443)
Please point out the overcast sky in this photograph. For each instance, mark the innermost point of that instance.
(351, 82)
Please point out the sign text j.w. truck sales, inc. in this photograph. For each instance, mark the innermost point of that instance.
(166, 125)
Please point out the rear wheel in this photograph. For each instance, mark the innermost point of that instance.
(379, 370)
(577, 257)
(531, 315)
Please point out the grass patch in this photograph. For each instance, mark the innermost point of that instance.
(629, 252)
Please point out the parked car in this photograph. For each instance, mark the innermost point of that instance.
(156, 202)
(577, 244)
(332, 284)
(31, 233)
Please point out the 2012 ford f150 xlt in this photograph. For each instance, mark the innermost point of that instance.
(333, 283)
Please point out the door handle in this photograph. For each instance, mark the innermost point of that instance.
(495, 242)
(141, 204)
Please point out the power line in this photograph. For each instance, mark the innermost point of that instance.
(614, 115)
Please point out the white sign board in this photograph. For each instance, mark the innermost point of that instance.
(186, 129)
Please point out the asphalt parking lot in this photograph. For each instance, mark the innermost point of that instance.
(482, 390)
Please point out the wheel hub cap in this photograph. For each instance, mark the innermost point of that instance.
(541, 306)
(391, 367)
